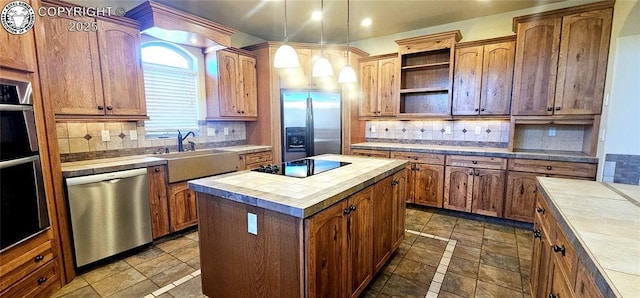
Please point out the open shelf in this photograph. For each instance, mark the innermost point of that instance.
(424, 90)
(426, 66)
(425, 103)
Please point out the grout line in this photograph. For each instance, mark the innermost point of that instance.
(443, 266)
(174, 284)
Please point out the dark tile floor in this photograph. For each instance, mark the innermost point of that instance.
(444, 254)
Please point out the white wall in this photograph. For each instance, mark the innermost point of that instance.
(621, 117)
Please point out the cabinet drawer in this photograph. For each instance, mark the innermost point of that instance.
(36, 284)
(17, 268)
(553, 167)
(565, 254)
(370, 153)
(542, 212)
(434, 159)
(259, 157)
(494, 163)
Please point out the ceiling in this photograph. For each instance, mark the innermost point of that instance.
(265, 18)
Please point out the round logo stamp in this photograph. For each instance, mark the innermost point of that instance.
(17, 17)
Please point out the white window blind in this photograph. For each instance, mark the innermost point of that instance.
(171, 95)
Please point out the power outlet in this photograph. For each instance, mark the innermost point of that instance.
(252, 223)
(478, 130)
(105, 135)
(552, 131)
(447, 130)
(373, 128)
(133, 134)
(226, 131)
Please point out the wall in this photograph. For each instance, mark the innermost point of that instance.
(620, 152)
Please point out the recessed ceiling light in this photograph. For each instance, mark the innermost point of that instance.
(366, 22)
(316, 15)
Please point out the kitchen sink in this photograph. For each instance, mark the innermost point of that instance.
(188, 165)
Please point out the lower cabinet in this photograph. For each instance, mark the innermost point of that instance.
(183, 212)
(254, 160)
(388, 228)
(370, 153)
(340, 247)
(425, 178)
(158, 201)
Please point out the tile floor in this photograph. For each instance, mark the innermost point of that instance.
(444, 254)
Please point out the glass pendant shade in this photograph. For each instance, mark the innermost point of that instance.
(347, 75)
(286, 57)
(322, 68)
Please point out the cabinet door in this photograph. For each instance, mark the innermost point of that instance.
(458, 188)
(429, 185)
(488, 192)
(521, 196)
(182, 206)
(497, 78)
(18, 51)
(122, 78)
(560, 286)
(158, 204)
(360, 224)
(585, 286)
(541, 266)
(536, 64)
(327, 257)
(70, 68)
(582, 66)
(411, 183)
(228, 85)
(382, 222)
(369, 88)
(388, 87)
(399, 208)
(248, 87)
(467, 81)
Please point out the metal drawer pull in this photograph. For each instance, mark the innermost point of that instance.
(38, 258)
(549, 168)
(42, 280)
(475, 162)
(540, 210)
(557, 248)
(537, 234)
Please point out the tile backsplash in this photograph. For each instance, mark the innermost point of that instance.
(492, 133)
(552, 137)
(86, 137)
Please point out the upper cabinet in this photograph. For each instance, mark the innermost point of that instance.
(561, 59)
(483, 77)
(236, 96)
(379, 85)
(16, 50)
(93, 72)
(426, 74)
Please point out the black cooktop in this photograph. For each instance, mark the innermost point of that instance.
(301, 168)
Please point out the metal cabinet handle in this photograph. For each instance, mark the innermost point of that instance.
(157, 170)
(558, 108)
(540, 210)
(482, 110)
(560, 249)
(346, 211)
(100, 108)
(476, 109)
(352, 208)
(551, 295)
(109, 108)
(42, 280)
(549, 168)
(38, 258)
(475, 162)
(537, 234)
(549, 109)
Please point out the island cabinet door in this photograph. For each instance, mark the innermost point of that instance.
(327, 252)
(360, 234)
(382, 222)
(541, 265)
(399, 206)
(458, 188)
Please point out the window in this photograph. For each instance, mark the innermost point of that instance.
(171, 89)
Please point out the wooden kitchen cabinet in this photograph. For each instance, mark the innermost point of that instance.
(560, 62)
(475, 184)
(340, 247)
(183, 212)
(254, 160)
(483, 77)
(388, 227)
(585, 286)
(379, 86)
(541, 261)
(158, 200)
(370, 153)
(425, 178)
(236, 95)
(91, 73)
(17, 50)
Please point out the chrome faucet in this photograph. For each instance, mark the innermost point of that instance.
(181, 139)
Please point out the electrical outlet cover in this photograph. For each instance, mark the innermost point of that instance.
(105, 135)
(447, 129)
(252, 223)
(552, 131)
(478, 130)
(373, 128)
(133, 134)
(226, 131)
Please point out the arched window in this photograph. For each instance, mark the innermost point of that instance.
(171, 88)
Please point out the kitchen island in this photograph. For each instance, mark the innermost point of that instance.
(586, 239)
(266, 235)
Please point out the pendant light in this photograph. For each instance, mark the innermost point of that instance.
(347, 74)
(286, 56)
(322, 66)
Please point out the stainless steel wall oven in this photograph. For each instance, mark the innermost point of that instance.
(23, 205)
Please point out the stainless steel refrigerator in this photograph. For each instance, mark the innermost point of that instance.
(311, 123)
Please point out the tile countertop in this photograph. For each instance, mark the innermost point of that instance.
(105, 165)
(602, 222)
(478, 151)
(299, 197)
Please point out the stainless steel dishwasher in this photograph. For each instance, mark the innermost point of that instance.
(109, 214)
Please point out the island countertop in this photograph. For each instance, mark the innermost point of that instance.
(299, 197)
(602, 221)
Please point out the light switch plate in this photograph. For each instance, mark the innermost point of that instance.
(226, 131)
(447, 130)
(252, 223)
(478, 130)
(133, 134)
(552, 131)
(105, 135)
